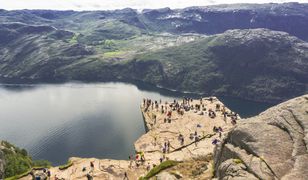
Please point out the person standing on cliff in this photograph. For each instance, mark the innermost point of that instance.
(92, 165)
(154, 117)
(168, 146)
(125, 176)
(130, 157)
(48, 174)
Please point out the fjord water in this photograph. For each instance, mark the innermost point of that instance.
(58, 121)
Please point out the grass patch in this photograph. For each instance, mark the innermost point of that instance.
(19, 176)
(37, 164)
(159, 168)
(65, 166)
(113, 54)
(74, 39)
(237, 161)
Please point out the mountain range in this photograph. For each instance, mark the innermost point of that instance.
(252, 51)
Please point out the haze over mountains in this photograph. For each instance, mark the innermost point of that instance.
(193, 49)
(82, 5)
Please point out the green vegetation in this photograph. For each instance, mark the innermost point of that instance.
(41, 164)
(18, 162)
(110, 49)
(65, 166)
(74, 39)
(113, 54)
(237, 161)
(18, 176)
(157, 169)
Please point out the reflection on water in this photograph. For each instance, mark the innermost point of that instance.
(103, 120)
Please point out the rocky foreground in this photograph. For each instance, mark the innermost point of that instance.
(272, 145)
(186, 127)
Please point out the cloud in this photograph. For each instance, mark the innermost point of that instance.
(118, 4)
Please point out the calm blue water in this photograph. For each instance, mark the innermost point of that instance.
(102, 120)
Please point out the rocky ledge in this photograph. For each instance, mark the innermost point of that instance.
(181, 136)
(182, 130)
(272, 145)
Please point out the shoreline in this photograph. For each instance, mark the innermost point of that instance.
(139, 84)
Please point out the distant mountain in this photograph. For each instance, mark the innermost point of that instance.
(164, 47)
(33, 52)
(255, 64)
(288, 17)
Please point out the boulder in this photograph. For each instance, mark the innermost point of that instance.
(272, 145)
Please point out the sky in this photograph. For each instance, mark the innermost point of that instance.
(119, 4)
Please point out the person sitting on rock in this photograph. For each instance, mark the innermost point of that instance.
(148, 167)
(212, 114)
(48, 174)
(142, 157)
(215, 141)
(169, 114)
(181, 139)
(137, 157)
(233, 122)
(215, 129)
(191, 136)
(161, 160)
(196, 140)
(164, 150)
(89, 177)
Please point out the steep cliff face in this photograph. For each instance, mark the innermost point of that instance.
(256, 64)
(272, 145)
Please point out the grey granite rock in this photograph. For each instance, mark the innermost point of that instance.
(272, 145)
